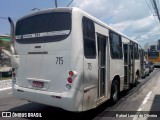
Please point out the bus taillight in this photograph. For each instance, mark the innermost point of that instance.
(70, 80)
(71, 73)
(68, 86)
(71, 77)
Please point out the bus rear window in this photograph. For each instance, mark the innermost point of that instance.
(153, 55)
(41, 28)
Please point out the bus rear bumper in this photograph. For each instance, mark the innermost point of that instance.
(70, 101)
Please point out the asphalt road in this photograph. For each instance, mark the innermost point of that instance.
(129, 101)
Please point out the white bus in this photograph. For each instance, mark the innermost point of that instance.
(66, 58)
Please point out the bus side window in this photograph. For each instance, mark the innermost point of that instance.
(115, 45)
(89, 38)
(136, 51)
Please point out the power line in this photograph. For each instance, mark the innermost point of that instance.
(149, 7)
(6, 18)
(3, 18)
(155, 7)
(158, 4)
(152, 5)
(152, 12)
(69, 3)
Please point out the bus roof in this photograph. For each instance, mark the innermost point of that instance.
(105, 25)
(69, 9)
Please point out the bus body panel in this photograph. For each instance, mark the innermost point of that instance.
(105, 32)
(71, 100)
(76, 47)
(45, 67)
(54, 73)
(117, 69)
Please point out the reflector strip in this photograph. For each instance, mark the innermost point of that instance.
(43, 34)
(59, 97)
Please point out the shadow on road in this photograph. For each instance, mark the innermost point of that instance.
(155, 109)
(57, 113)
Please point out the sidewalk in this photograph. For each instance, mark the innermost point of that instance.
(151, 103)
(5, 84)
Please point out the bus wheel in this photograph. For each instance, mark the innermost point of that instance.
(145, 75)
(136, 80)
(115, 91)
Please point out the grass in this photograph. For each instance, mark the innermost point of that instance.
(5, 78)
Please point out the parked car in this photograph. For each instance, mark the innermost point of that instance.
(151, 66)
(145, 69)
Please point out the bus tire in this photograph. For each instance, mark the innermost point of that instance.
(144, 76)
(136, 79)
(115, 92)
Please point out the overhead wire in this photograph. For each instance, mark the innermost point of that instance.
(6, 18)
(153, 12)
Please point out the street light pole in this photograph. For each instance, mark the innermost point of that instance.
(56, 3)
(33, 9)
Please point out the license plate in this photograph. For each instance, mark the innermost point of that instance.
(37, 84)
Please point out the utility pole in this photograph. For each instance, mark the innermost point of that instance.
(156, 9)
(56, 3)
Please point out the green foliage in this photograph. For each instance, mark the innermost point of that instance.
(5, 45)
(5, 78)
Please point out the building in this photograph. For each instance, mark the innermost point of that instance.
(5, 38)
(5, 63)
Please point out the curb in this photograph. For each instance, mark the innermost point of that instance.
(5, 84)
(6, 88)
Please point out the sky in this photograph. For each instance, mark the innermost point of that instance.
(134, 18)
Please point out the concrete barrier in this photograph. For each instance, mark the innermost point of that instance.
(5, 83)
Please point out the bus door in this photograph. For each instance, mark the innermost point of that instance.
(101, 40)
(127, 67)
(132, 63)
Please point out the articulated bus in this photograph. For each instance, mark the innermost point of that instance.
(153, 52)
(66, 58)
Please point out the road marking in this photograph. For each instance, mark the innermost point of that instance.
(143, 103)
(5, 88)
(9, 93)
(146, 98)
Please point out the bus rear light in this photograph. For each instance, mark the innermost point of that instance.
(69, 80)
(71, 73)
(68, 86)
